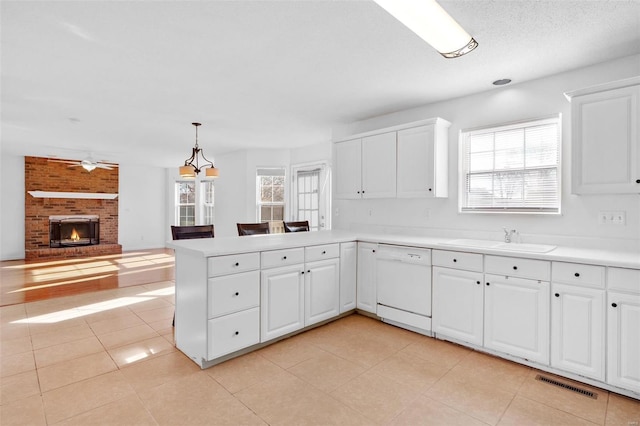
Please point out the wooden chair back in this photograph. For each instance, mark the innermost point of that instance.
(300, 226)
(191, 232)
(253, 228)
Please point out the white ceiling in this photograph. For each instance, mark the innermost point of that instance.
(124, 79)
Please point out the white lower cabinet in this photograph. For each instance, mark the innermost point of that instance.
(348, 274)
(577, 330)
(282, 301)
(321, 290)
(233, 332)
(516, 318)
(623, 357)
(366, 279)
(458, 305)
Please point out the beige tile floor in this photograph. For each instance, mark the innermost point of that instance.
(108, 357)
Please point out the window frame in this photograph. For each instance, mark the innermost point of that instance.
(464, 134)
(178, 204)
(260, 172)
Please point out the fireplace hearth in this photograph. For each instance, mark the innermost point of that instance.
(73, 231)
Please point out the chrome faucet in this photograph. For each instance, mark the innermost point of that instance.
(509, 234)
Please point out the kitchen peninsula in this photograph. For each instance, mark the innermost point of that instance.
(577, 309)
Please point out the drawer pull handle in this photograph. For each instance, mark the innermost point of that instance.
(324, 252)
(576, 274)
(615, 305)
(478, 282)
(309, 271)
(302, 272)
(284, 257)
(515, 268)
(637, 180)
(488, 283)
(557, 295)
(455, 260)
(237, 293)
(237, 264)
(237, 332)
(374, 251)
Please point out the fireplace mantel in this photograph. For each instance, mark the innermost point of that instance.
(85, 195)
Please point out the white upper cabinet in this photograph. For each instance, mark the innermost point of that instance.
(379, 166)
(423, 159)
(348, 168)
(605, 138)
(406, 161)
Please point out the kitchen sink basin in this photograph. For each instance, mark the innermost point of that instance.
(497, 245)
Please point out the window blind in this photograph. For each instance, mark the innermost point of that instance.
(512, 168)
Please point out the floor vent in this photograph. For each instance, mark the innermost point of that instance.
(572, 388)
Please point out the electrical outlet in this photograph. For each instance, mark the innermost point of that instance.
(612, 217)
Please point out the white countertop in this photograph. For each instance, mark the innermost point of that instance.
(218, 246)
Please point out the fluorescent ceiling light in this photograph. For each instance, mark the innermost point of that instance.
(433, 24)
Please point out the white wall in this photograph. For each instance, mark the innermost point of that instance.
(141, 207)
(235, 192)
(12, 194)
(311, 154)
(578, 223)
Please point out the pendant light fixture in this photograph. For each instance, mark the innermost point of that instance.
(433, 24)
(192, 164)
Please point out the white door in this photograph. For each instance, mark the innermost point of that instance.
(322, 290)
(348, 265)
(623, 357)
(415, 162)
(577, 330)
(348, 168)
(366, 279)
(606, 148)
(516, 318)
(458, 305)
(379, 166)
(311, 195)
(282, 301)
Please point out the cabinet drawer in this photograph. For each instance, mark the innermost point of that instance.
(232, 293)
(578, 274)
(517, 267)
(457, 260)
(233, 332)
(326, 251)
(624, 279)
(224, 265)
(275, 258)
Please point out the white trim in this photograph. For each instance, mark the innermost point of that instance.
(88, 195)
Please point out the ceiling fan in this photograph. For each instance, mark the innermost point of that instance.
(88, 164)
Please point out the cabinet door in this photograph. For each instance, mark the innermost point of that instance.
(366, 279)
(348, 265)
(348, 169)
(606, 142)
(577, 330)
(321, 290)
(379, 166)
(458, 305)
(282, 301)
(516, 318)
(623, 366)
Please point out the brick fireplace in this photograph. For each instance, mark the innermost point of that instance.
(46, 185)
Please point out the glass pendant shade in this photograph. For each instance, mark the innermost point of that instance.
(212, 172)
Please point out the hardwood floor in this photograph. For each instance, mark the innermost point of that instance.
(22, 281)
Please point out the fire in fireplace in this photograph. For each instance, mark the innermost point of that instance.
(72, 231)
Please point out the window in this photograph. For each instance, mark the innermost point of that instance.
(186, 203)
(194, 203)
(270, 185)
(512, 168)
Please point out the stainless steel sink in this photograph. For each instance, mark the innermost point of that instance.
(497, 245)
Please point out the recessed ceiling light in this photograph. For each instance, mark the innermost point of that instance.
(502, 82)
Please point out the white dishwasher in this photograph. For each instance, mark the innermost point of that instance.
(404, 287)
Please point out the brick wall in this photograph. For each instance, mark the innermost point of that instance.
(43, 175)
